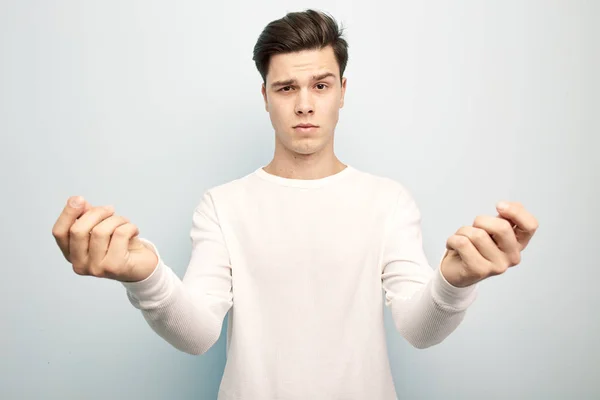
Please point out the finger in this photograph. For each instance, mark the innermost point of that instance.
(75, 207)
(483, 243)
(467, 252)
(100, 236)
(119, 242)
(87, 207)
(79, 234)
(524, 223)
(501, 231)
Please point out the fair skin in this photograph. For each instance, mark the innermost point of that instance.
(304, 88)
(300, 88)
(489, 247)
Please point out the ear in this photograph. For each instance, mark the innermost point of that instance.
(263, 90)
(343, 92)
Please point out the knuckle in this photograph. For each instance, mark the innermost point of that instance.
(122, 221)
(497, 268)
(80, 269)
(478, 220)
(96, 271)
(506, 227)
(515, 258)
(57, 234)
(464, 231)
(123, 230)
(76, 232)
(480, 234)
(120, 231)
(500, 269)
(461, 241)
(98, 232)
(108, 226)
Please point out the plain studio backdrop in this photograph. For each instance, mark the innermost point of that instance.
(146, 104)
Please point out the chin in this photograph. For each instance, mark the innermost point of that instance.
(303, 145)
(307, 147)
(304, 151)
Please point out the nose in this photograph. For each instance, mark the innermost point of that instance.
(304, 105)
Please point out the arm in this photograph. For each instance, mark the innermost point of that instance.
(189, 313)
(425, 307)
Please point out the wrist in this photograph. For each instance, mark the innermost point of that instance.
(448, 295)
(146, 264)
(455, 277)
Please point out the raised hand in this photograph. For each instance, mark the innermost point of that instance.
(99, 243)
(489, 247)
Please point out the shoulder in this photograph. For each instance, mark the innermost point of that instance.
(385, 184)
(225, 192)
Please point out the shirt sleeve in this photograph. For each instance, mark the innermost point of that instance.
(425, 307)
(188, 313)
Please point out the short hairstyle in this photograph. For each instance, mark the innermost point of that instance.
(297, 31)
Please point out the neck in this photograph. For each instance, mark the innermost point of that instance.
(287, 164)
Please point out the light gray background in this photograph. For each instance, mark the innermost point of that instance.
(146, 104)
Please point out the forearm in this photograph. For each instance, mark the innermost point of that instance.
(166, 306)
(432, 313)
(191, 323)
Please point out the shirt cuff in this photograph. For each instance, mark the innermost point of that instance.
(446, 294)
(155, 288)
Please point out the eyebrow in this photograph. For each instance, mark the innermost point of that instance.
(292, 81)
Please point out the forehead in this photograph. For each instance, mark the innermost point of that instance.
(302, 64)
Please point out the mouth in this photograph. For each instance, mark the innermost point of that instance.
(305, 127)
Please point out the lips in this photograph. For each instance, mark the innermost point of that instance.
(306, 126)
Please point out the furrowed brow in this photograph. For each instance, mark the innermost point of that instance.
(290, 82)
(323, 76)
(283, 83)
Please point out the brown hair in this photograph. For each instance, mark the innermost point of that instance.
(297, 31)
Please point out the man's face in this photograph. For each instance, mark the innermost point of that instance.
(304, 88)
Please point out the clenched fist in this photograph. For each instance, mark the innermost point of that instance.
(99, 243)
(490, 246)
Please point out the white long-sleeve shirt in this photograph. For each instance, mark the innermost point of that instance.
(301, 266)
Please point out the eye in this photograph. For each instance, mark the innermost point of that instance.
(285, 89)
(321, 84)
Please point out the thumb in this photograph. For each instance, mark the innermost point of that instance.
(136, 244)
(77, 206)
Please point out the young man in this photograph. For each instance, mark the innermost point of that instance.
(299, 252)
